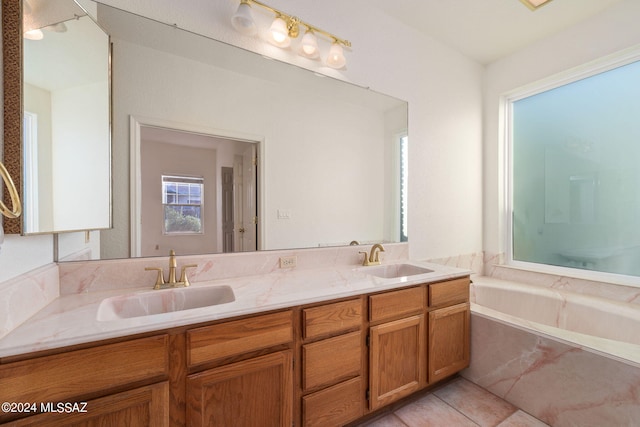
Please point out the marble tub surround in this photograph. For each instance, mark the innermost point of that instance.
(568, 359)
(558, 383)
(24, 296)
(72, 318)
(595, 317)
(473, 262)
(494, 268)
(95, 276)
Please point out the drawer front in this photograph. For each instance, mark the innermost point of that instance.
(334, 406)
(396, 304)
(81, 372)
(211, 343)
(332, 319)
(449, 293)
(332, 360)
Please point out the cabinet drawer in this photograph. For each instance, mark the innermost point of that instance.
(82, 372)
(396, 304)
(449, 293)
(332, 360)
(215, 342)
(331, 319)
(334, 406)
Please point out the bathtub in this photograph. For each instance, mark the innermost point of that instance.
(568, 359)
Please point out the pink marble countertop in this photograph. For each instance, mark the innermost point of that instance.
(73, 319)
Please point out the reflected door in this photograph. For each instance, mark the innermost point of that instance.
(245, 184)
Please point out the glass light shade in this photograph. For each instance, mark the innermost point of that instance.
(242, 20)
(36, 34)
(309, 46)
(280, 33)
(336, 57)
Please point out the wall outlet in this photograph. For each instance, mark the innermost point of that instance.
(288, 261)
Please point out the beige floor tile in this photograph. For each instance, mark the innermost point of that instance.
(430, 411)
(386, 421)
(484, 408)
(522, 419)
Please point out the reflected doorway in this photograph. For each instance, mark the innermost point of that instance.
(219, 214)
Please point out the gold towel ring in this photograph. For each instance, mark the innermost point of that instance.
(13, 192)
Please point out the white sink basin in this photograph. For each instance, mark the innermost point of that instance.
(394, 271)
(163, 301)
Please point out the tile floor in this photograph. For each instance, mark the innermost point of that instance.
(459, 403)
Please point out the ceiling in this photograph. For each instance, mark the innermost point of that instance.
(487, 30)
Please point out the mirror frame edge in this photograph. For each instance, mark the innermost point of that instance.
(12, 101)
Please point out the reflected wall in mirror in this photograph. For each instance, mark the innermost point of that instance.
(66, 119)
(196, 192)
(329, 160)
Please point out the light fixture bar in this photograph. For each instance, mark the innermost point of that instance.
(293, 22)
(534, 4)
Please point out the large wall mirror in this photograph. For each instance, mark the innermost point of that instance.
(217, 149)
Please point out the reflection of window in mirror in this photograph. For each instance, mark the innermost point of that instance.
(404, 179)
(30, 144)
(182, 204)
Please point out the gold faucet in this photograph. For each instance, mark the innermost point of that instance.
(173, 266)
(373, 258)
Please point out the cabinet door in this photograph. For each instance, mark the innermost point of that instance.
(397, 360)
(254, 392)
(142, 407)
(448, 341)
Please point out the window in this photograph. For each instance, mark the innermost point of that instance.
(404, 179)
(575, 174)
(182, 203)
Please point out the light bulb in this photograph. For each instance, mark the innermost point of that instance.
(242, 20)
(36, 34)
(280, 33)
(336, 58)
(309, 46)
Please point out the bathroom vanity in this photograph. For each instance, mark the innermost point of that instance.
(325, 363)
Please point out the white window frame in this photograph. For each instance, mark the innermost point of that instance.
(506, 138)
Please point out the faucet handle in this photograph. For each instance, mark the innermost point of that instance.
(159, 279)
(183, 275)
(366, 261)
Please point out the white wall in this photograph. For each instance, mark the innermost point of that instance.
(443, 88)
(614, 30)
(74, 181)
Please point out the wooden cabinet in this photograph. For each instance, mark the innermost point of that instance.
(312, 365)
(397, 345)
(81, 375)
(332, 389)
(449, 333)
(216, 342)
(255, 392)
(141, 407)
(397, 360)
(448, 341)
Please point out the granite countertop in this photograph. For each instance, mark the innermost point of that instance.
(73, 319)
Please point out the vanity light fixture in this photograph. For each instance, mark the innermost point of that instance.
(36, 34)
(286, 28)
(535, 4)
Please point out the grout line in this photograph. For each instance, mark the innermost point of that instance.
(460, 412)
